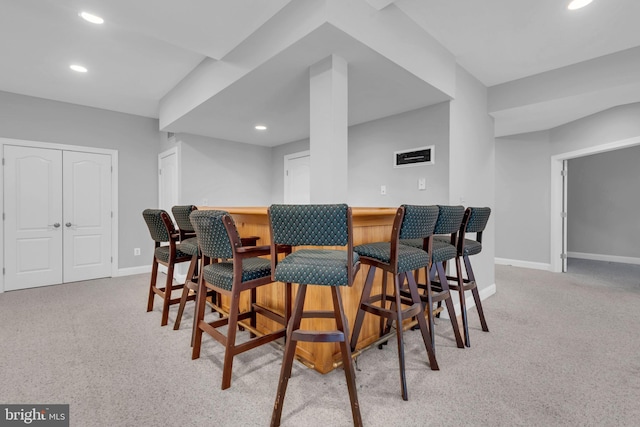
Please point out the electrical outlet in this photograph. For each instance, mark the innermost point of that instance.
(136, 251)
(383, 190)
(422, 184)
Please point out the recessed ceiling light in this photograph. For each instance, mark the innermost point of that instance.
(94, 19)
(261, 127)
(78, 68)
(577, 4)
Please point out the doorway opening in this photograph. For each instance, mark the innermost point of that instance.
(558, 197)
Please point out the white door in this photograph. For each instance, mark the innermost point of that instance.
(87, 215)
(297, 178)
(33, 217)
(168, 192)
(57, 216)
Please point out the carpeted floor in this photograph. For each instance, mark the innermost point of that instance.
(563, 350)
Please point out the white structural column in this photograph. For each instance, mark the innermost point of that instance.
(328, 131)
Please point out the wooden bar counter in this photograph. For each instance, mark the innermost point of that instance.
(369, 225)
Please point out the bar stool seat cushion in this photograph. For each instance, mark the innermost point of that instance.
(409, 258)
(472, 247)
(190, 246)
(315, 267)
(162, 253)
(220, 274)
(443, 251)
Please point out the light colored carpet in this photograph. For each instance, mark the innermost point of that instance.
(563, 350)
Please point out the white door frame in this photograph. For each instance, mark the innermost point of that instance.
(171, 151)
(114, 191)
(556, 192)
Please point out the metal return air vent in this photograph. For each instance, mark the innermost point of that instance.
(414, 157)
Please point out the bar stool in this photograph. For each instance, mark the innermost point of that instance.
(189, 245)
(162, 231)
(314, 225)
(239, 269)
(411, 222)
(443, 250)
(474, 221)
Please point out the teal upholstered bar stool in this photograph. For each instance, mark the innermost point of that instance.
(443, 250)
(411, 222)
(189, 245)
(239, 269)
(474, 221)
(319, 226)
(163, 231)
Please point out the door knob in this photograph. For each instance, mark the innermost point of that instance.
(56, 225)
(68, 224)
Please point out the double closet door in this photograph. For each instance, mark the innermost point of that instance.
(57, 225)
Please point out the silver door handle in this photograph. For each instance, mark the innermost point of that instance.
(56, 225)
(68, 224)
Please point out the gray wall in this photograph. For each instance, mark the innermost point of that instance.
(472, 163)
(371, 147)
(137, 140)
(224, 173)
(603, 203)
(517, 199)
(523, 169)
(277, 166)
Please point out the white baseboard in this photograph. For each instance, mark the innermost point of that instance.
(608, 258)
(484, 294)
(133, 270)
(523, 264)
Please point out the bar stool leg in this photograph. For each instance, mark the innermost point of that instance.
(476, 294)
(366, 292)
(289, 353)
(463, 303)
(347, 362)
(449, 303)
(152, 283)
(415, 297)
(399, 332)
(167, 296)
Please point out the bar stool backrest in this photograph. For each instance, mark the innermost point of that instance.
(181, 214)
(310, 225)
(213, 239)
(159, 223)
(449, 219)
(478, 219)
(418, 222)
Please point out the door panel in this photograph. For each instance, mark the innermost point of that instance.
(297, 180)
(87, 215)
(33, 208)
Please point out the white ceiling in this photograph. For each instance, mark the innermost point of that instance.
(147, 47)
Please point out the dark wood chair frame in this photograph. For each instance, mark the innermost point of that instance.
(233, 317)
(459, 282)
(413, 304)
(165, 292)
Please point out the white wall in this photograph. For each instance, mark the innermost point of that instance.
(522, 197)
(224, 173)
(137, 140)
(371, 148)
(472, 165)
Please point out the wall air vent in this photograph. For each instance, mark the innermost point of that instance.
(414, 157)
